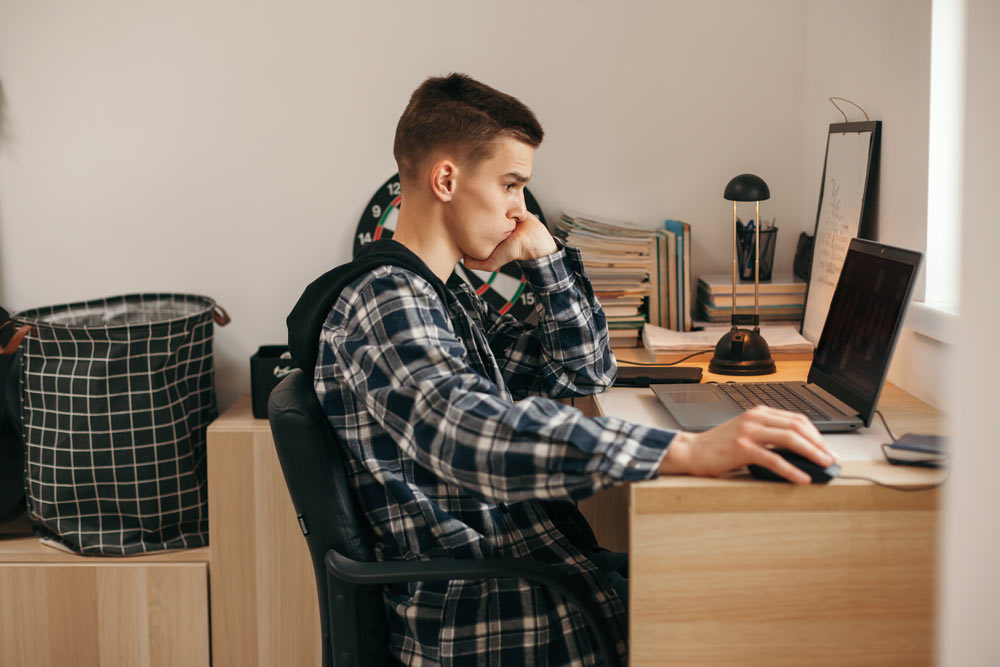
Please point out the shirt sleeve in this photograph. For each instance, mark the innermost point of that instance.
(395, 350)
(568, 352)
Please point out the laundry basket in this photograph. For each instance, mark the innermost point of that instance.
(116, 395)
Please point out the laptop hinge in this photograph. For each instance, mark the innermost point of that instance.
(826, 396)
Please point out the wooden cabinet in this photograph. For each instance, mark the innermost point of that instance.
(63, 609)
(264, 605)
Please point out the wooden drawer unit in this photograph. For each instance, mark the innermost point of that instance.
(63, 609)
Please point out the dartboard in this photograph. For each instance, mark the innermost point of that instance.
(506, 289)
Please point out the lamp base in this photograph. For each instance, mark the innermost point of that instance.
(742, 352)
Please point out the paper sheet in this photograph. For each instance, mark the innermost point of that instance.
(780, 338)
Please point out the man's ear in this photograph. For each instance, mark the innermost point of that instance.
(443, 177)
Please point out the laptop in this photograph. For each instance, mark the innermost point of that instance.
(850, 361)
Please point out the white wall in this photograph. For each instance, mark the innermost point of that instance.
(229, 148)
(878, 55)
(970, 582)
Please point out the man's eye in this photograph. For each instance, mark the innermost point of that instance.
(509, 186)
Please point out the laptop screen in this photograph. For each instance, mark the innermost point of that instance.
(863, 322)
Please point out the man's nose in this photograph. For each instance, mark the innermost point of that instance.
(520, 211)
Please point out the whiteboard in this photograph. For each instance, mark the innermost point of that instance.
(842, 210)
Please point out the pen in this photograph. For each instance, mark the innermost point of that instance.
(749, 244)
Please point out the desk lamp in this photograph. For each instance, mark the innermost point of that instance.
(744, 351)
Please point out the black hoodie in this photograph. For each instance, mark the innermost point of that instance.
(306, 320)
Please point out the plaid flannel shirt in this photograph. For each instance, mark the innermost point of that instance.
(454, 444)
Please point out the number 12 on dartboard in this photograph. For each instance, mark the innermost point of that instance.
(506, 289)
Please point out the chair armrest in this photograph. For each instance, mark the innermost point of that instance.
(378, 574)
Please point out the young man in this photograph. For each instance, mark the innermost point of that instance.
(455, 445)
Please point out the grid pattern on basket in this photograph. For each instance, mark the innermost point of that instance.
(115, 420)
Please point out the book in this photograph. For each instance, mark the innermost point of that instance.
(684, 305)
(634, 322)
(624, 337)
(621, 310)
(781, 298)
(724, 313)
(669, 282)
(617, 334)
(746, 300)
(722, 283)
(621, 256)
(619, 293)
(622, 261)
(780, 338)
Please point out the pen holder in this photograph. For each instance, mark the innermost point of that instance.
(747, 255)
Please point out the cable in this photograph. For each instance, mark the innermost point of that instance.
(672, 363)
(925, 487)
(886, 455)
(887, 429)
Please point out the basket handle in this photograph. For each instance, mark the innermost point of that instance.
(15, 340)
(220, 316)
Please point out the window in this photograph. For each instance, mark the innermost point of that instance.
(937, 316)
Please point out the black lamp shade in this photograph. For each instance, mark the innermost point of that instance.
(747, 187)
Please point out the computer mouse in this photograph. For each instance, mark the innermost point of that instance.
(818, 473)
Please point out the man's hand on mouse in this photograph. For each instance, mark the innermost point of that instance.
(748, 439)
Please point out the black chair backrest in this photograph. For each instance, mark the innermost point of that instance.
(312, 460)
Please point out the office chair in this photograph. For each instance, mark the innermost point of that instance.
(348, 581)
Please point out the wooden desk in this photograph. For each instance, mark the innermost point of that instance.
(732, 571)
(741, 572)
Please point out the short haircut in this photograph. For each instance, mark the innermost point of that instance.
(459, 114)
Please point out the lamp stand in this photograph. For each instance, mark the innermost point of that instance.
(744, 351)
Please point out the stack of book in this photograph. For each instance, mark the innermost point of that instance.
(781, 298)
(637, 274)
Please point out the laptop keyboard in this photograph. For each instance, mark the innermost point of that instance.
(771, 394)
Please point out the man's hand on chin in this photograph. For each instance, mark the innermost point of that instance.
(529, 240)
